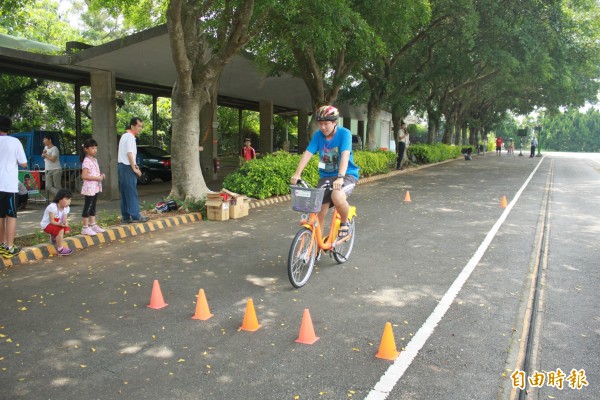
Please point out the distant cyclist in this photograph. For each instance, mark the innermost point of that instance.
(336, 164)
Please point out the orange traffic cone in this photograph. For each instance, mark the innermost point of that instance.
(250, 323)
(503, 202)
(307, 332)
(407, 197)
(156, 299)
(387, 348)
(202, 311)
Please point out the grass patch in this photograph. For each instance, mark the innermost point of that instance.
(104, 219)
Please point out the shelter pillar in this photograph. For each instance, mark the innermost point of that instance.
(266, 127)
(302, 131)
(361, 133)
(104, 120)
(347, 123)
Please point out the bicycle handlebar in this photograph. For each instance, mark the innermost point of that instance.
(302, 183)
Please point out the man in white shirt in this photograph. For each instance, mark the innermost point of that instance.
(13, 155)
(129, 172)
(52, 167)
(402, 144)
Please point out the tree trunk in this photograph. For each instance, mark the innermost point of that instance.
(473, 135)
(397, 116)
(198, 64)
(457, 134)
(432, 126)
(372, 117)
(188, 181)
(448, 132)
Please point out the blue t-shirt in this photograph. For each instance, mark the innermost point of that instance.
(330, 152)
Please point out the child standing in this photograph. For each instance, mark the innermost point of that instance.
(55, 221)
(92, 185)
(248, 153)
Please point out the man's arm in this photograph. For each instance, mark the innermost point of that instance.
(134, 167)
(301, 165)
(52, 158)
(343, 166)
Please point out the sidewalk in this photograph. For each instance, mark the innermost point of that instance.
(28, 221)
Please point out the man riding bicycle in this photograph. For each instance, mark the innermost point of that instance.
(336, 164)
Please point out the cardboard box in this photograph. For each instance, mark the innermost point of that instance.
(238, 207)
(217, 210)
(230, 193)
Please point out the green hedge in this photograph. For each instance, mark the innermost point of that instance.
(270, 175)
(427, 154)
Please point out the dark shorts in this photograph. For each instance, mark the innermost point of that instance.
(498, 148)
(347, 187)
(8, 205)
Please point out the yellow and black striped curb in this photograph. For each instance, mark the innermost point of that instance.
(113, 233)
(78, 242)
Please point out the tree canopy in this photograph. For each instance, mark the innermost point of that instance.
(459, 62)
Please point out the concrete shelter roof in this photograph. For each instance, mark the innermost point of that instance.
(143, 63)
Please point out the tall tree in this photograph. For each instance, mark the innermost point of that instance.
(324, 43)
(400, 25)
(204, 37)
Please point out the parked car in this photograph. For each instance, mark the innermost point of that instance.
(356, 142)
(154, 163)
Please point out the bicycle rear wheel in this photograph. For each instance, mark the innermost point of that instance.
(342, 250)
(301, 259)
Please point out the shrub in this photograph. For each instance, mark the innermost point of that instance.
(270, 175)
(427, 154)
(374, 162)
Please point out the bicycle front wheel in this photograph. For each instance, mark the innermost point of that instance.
(301, 259)
(342, 250)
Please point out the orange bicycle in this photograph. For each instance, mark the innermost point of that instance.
(309, 243)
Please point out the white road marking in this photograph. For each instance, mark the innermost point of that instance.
(393, 374)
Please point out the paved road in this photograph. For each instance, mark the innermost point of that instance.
(78, 327)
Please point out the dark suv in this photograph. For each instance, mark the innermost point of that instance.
(154, 163)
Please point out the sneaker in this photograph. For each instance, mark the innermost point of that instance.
(65, 251)
(142, 219)
(3, 248)
(86, 230)
(97, 228)
(52, 238)
(10, 252)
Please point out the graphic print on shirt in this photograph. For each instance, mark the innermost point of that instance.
(330, 159)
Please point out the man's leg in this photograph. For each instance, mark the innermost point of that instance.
(123, 192)
(129, 194)
(11, 230)
(53, 181)
(57, 176)
(2, 230)
(340, 200)
(322, 214)
(134, 204)
(401, 147)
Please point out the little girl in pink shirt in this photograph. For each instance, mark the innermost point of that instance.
(92, 185)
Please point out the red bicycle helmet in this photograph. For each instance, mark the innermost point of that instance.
(327, 113)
